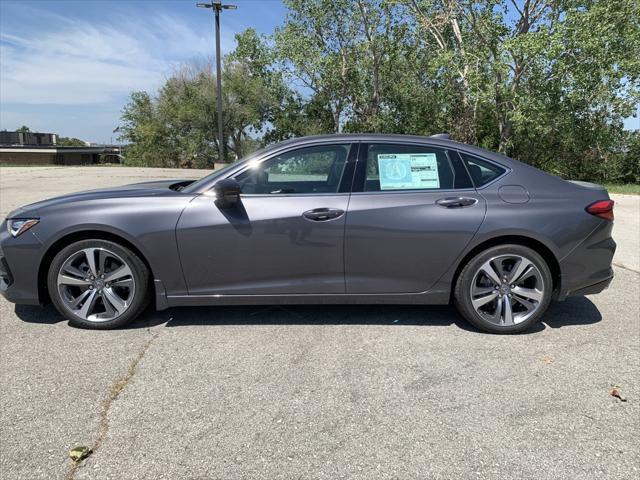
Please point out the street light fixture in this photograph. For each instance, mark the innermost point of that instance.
(217, 7)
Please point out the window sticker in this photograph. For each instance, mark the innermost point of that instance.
(408, 171)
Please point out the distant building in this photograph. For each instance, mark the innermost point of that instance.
(27, 138)
(29, 148)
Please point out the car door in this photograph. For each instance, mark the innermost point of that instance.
(412, 212)
(286, 236)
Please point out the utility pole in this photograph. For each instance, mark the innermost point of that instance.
(217, 7)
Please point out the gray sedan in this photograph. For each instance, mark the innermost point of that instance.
(328, 219)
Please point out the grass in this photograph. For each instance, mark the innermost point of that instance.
(627, 189)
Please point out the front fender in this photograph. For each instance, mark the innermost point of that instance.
(147, 223)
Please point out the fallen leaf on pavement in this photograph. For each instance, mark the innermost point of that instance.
(78, 453)
(615, 392)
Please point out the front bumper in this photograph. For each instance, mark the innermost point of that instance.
(6, 279)
(19, 263)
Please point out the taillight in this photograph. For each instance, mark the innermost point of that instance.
(602, 209)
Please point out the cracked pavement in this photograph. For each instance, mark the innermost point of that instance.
(321, 392)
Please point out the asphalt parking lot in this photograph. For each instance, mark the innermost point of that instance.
(334, 392)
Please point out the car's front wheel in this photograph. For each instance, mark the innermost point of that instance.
(98, 284)
(505, 289)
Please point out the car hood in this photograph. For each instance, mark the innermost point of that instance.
(156, 187)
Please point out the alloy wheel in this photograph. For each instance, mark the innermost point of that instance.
(96, 284)
(507, 290)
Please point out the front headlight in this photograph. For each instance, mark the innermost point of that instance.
(17, 226)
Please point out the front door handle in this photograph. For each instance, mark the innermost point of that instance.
(456, 202)
(323, 214)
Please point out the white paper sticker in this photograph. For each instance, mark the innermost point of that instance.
(408, 171)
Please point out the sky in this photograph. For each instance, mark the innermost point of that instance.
(68, 66)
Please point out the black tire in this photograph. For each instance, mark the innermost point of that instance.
(463, 296)
(140, 275)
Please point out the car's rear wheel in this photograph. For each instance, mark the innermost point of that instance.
(98, 284)
(505, 289)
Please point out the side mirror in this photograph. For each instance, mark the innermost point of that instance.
(227, 193)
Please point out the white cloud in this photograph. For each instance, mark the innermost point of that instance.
(75, 62)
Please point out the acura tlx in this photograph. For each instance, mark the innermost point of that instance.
(329, 219)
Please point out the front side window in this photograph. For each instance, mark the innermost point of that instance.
(413, 167)
(308, 170)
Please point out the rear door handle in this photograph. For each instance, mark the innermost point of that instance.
(456, 202)
(322, 214)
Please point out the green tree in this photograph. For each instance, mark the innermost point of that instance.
(315, 49)
(178, 126)
(285, 113)
(70, 142)
(147, 137)
(548, 82)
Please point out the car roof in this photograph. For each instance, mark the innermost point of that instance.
(367, 137)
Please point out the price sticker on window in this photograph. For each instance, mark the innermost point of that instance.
(408, 171)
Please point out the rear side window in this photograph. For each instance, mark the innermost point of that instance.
(392, 167)
(481, 172)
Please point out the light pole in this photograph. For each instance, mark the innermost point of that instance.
(217, 7)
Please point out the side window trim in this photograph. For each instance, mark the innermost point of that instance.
(345, 182)
(360, 175)
(464, 165)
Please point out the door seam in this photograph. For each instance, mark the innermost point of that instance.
(346, 219)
